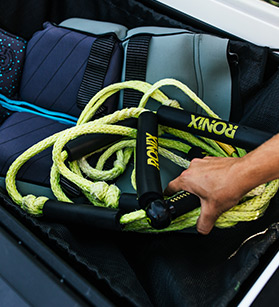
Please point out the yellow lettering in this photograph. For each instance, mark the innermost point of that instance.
(194, 121)
(223, 128)
(200, 127)
(151, 139)
(153, 162)
(230, 132)
(152, 150)
(207, 125)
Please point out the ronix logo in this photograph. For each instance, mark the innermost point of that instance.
(152, 150)
(213, 125)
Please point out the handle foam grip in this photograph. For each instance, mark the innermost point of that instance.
(128, 202)
(147, 163)
(85, 144)
(83, 215)
(217, 129)
(182, 203)
(185, 202)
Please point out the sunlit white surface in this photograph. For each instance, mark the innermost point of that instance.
(252, 20)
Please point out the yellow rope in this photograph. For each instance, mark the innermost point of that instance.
(94, 186)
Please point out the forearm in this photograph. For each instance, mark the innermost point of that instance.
(261, 165)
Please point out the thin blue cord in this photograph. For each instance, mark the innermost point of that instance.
(16, 106)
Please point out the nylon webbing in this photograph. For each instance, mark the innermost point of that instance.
(96, 69)
(136, 60)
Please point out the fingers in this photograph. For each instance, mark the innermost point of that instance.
(207, 219)
(173, 187)
(209, 213)
(177, 185)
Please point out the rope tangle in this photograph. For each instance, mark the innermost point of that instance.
(92, 181)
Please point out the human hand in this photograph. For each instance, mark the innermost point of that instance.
(218, 182)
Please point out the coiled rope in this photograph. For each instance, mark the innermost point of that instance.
(92, 181)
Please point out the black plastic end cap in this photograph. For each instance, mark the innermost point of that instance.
(158, 214)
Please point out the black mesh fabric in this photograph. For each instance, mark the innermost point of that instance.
(262, 108)
(252, 61)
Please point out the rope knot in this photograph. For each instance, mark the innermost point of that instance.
(33, 205)
(120, 164)
(99, 190)
(112, 196)
(108, 194)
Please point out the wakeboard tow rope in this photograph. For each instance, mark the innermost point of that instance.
(145, 135)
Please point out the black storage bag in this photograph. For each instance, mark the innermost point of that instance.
(160, 270)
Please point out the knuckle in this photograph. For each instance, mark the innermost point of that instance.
(195, 161)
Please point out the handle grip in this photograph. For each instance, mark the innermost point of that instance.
(128, 202)
(147, 161)
(149, 189)
(182, 203)
(85, 144)
(217, 129)
(178, 205)
(82, 215)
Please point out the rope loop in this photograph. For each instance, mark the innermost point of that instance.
(33, 205)
(91, 180)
